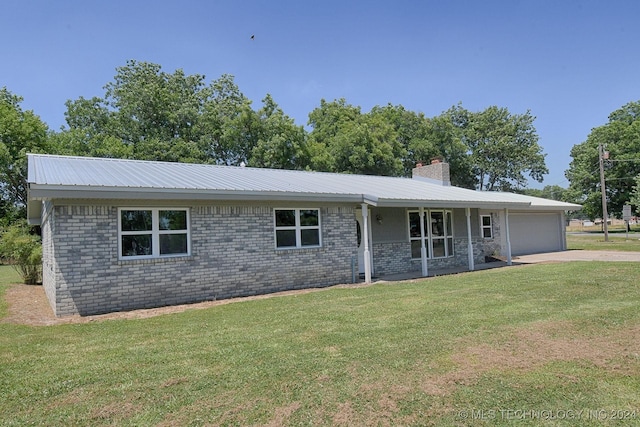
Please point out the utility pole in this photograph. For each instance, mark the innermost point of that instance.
(602, 154)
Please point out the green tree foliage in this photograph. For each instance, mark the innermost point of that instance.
(621, 138)
(281, 144)
(490, 150)
(345, 140)
(502, 147)
(229, 128)
(411, 130)
(23, 250)
(329, 121)
(21, 132)
(92, 131)
(552, 192)
(635, 195)
(149, 114)
(150, 104)
(447, 136)
(424, 138)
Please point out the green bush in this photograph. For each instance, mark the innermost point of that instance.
(23, 251)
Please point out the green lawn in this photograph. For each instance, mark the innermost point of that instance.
(8, 275)
(617, 242)
(510, 346)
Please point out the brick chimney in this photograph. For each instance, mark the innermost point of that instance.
(437, 172)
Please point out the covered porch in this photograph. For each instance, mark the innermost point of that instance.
(422, 241)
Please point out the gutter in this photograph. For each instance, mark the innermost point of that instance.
(48, 192)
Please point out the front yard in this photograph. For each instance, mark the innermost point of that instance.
(595, 242)
(556, 343)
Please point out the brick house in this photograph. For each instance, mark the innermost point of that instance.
(124, 234)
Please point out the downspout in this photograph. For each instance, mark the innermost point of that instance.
(365, 232)
(469, 242)
(506, 220)
(423, 248)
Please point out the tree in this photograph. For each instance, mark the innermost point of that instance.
(345, 140)
(503, 147)
(228, 129)
(422, 139)
(635, 195)
(621, 138)
(91, 132)
(551, 192)
(23, 250)
(149, 104)
(327, 121)
(149, 114)
(411, 131)
(447, 139)
(21, 132)
(281, 144)
(368, 146)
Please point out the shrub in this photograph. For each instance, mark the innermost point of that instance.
(23, 250)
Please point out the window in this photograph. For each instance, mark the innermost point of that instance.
(438, 234)
(487, 227)
(415, 235)
(297, 228)
(153, 233)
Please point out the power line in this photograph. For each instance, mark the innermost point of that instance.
(596, 169)
(622, 178)
(623, 160)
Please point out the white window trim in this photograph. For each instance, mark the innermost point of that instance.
(298, 229)
(489, 227)
(429, 235)
(155, 232)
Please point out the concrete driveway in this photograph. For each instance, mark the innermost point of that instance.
(577, 255)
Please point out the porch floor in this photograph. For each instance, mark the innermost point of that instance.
(432, 272)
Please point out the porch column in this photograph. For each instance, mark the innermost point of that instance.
(365, 234)
(469, 242)
(506, 234)
(423, 247)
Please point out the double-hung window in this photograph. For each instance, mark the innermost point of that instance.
(297, 228)
(487, 226)
(153, 233)
(438, 233)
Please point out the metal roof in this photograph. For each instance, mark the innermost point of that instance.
(56, 177)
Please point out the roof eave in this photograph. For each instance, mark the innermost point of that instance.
(48, 192)
(566, 207)
(449, 204)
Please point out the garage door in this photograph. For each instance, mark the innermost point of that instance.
(533, 233)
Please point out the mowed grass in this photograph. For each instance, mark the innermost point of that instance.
(617, 242)
(540, 341)
(8, 275)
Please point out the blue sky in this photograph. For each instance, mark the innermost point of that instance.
(571, 63)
